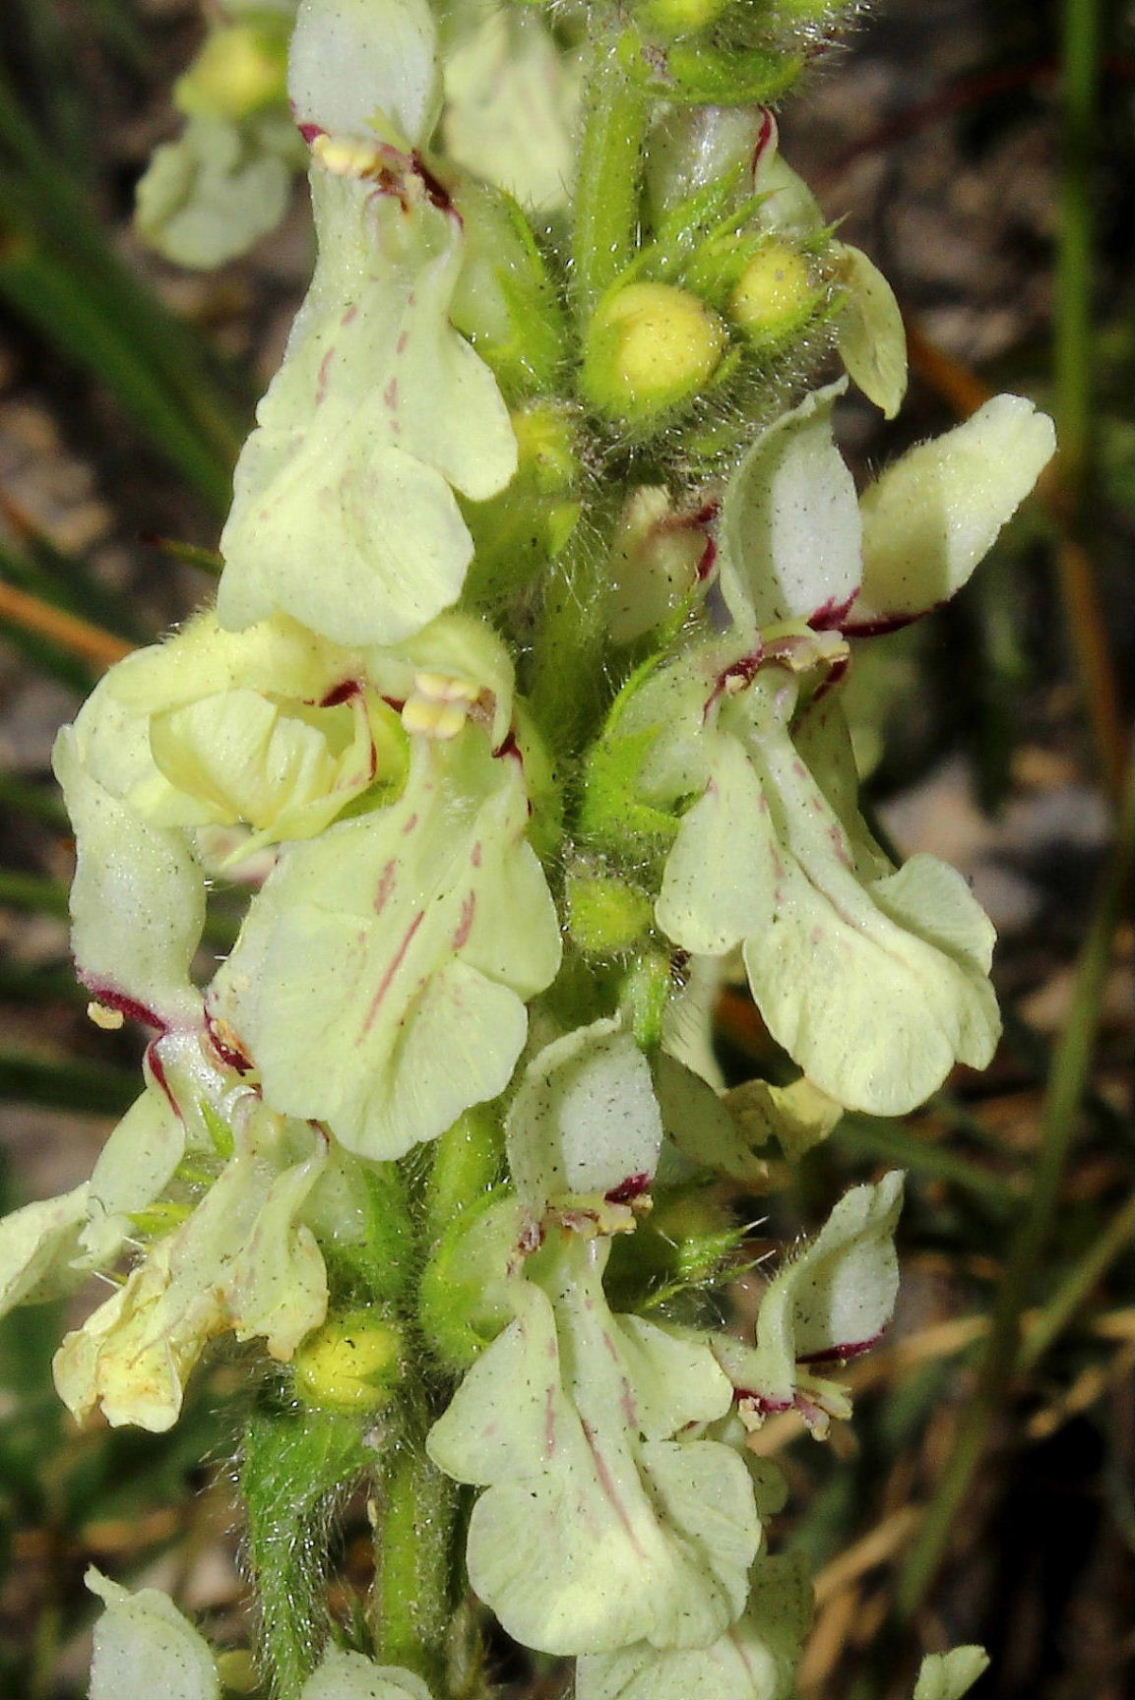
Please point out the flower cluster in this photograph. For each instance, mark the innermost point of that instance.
(502, 752)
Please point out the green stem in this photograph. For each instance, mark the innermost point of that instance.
(414, 1536)
(1073, 353)
(1074, 380)
(606, 207)
(1003, 1356)
(297, 1466)
(568, 683)
(1074, 1289)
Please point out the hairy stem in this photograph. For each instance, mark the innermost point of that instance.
(606, 207)
(414, 1537)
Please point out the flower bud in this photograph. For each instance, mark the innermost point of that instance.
(650, 347)
(696, 73)
(605, 913)
(774, 297)
(239, 70)
(352, 1363)
(681, 17)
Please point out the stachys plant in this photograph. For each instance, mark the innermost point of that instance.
(519, 716)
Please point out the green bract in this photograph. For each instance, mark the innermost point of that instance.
(344, 513)
(379, 981)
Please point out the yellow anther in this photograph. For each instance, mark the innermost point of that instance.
(441, 687)
(110, 1020)
(430, 718)
(346, 156)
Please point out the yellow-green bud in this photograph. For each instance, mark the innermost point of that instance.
(605, 914)
(352, 1363)
(650, 347)
(237, 1671)
(239, 70)
(774, 296)
(682, 17)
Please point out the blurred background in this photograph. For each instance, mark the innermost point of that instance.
(981, 151)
